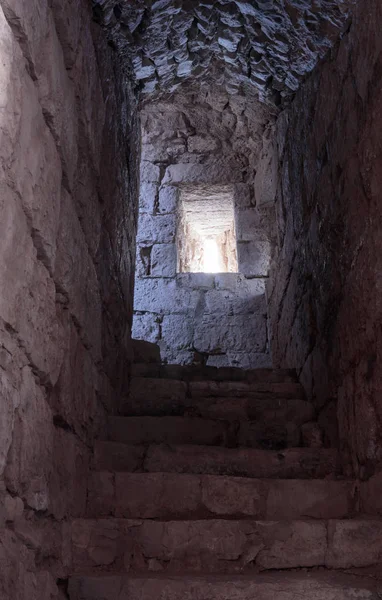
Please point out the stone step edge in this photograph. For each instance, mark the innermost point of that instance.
(271, 499)
(340, 579)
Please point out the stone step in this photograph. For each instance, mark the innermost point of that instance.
(200, 373)
(173, 496)
(292, 463)
(223, 546)
(160, 397)
(275, 586)
(168, 430)
(267, 434)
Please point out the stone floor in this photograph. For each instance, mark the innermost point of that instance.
(215, 484)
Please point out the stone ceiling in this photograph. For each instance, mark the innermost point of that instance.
(266, 46)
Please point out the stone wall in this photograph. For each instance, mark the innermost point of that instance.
(325, 289)
(194, 145)
(67, 245)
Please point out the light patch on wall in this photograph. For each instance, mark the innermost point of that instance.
(206, 235)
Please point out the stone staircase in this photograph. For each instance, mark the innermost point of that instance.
(215, 484)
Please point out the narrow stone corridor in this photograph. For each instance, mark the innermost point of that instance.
(190, 300)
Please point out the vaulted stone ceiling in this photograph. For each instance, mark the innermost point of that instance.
(266, 46)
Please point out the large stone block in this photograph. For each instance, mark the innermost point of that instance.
(164, 296)
(213, 171)
(242, 332)
(168, 199)
(150, 172)
(147, 197)
(247, 300)
(146, 327)
(253, 258)
(163, 260)
(156, 229)
(177, 331)
(253, 224)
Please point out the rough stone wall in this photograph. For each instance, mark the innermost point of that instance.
(217, 319)
(325, 289)
(67, 235)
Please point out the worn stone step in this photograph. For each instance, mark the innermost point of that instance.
(292, 463)
(275, 586)
(168, 430)
(224, 546)
(179, 496)
(160, 397)
(273, 435)
(263, 410)
(200, 372)
(244, 389)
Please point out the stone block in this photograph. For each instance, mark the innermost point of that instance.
(158, 229)
(233, 496)
(292, 463)
(101, 497)
(299, 543)
(27, 301)
(150, 173)
(354, 543)
(213, 171)
(253, 258)
(28, 152)
(253, 224)
(147, 197)
(225, 302)
(174, 495)
(68, 480)
(202, 144)
(244, 360)
(76, 277)
(151, 396)
(177, 331)
(196, 281)
(146, 327)
(33, 22)
(242, 195)
(111, 456)
(168, 199)
(29, 463)
(242, 332)
(75, 398)
(311, 499)
(266, 179)
(163, 260)
(164, 296)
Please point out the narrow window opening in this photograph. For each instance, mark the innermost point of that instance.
(206, 235)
